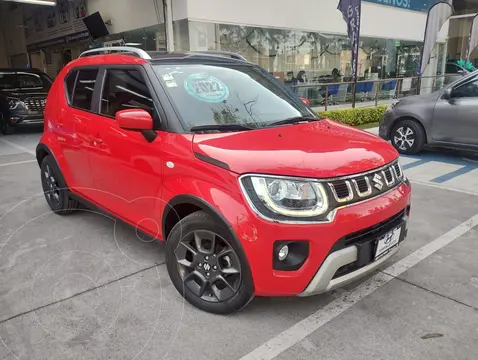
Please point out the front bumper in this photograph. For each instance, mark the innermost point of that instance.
(339, 251)
(386, 124)
(22, 119)
(324, 280)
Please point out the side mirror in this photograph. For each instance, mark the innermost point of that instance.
(134, 119)
(305, 101)
(447, 94)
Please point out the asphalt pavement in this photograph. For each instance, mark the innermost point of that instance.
(86, 287)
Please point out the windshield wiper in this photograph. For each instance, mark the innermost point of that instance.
(221, 127)
(294, 120)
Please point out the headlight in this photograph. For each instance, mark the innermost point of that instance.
(392, 105)
(15, 103)
(288, 197)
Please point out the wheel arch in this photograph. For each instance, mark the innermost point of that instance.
(41, 152)
(182, 205)
(46, 147)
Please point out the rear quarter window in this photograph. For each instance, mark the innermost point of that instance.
(70, 85)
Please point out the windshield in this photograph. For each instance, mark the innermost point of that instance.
(23, 80)
(228, 94)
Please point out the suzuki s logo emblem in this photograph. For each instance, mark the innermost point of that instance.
(207, 267)
(377, 181)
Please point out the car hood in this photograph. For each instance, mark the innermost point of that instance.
(432, 97)
(25, 93)
(320, 149)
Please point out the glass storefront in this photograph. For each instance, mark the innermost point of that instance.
(315, 56)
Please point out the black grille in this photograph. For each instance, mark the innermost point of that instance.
(367, 185)
(36, 104)
(375, 231)
(341, 189)
(365, 240)
(362, 185)
(388, 174)
(398, 169)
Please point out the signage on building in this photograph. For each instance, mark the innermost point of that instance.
(55, 25)
(417, 5)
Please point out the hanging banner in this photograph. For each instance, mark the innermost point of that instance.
(351, 11)
(416, 5)
(472, 38)
(437, 17)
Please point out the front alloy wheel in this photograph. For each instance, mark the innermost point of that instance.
(404, 138)
(408, 137)
(207, 264)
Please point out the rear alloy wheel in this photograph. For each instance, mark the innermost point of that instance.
(54, 188)
(408, 137)
(206, 266)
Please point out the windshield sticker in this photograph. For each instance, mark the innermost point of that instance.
(168, 77)
(206, 88)
(171, 83)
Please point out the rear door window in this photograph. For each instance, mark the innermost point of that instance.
(84, 88)
(70, 84)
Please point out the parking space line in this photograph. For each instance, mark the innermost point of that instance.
(405, 160)
(346, 300)
(18, 147)
(443, 187)
(418, 162)
(431, 170)
(453, 174)
(18, 163)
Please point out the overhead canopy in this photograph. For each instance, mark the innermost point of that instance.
(35, 2)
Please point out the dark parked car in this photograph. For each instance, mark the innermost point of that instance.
(445, 118)
(22, 98)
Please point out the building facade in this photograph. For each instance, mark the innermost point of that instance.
(305, 35)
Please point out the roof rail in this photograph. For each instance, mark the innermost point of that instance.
(119, 49)
(222, 53)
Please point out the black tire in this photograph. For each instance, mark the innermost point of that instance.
(55, 189)
(244, 290)
(5, 128)
(408, 137)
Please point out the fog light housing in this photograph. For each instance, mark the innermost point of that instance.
(283, 252)
(289, 255)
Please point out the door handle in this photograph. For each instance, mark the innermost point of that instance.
(96, 141)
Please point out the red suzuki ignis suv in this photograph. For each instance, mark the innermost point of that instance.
(251, 192)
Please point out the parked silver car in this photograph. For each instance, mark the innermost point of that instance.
(445, 118)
